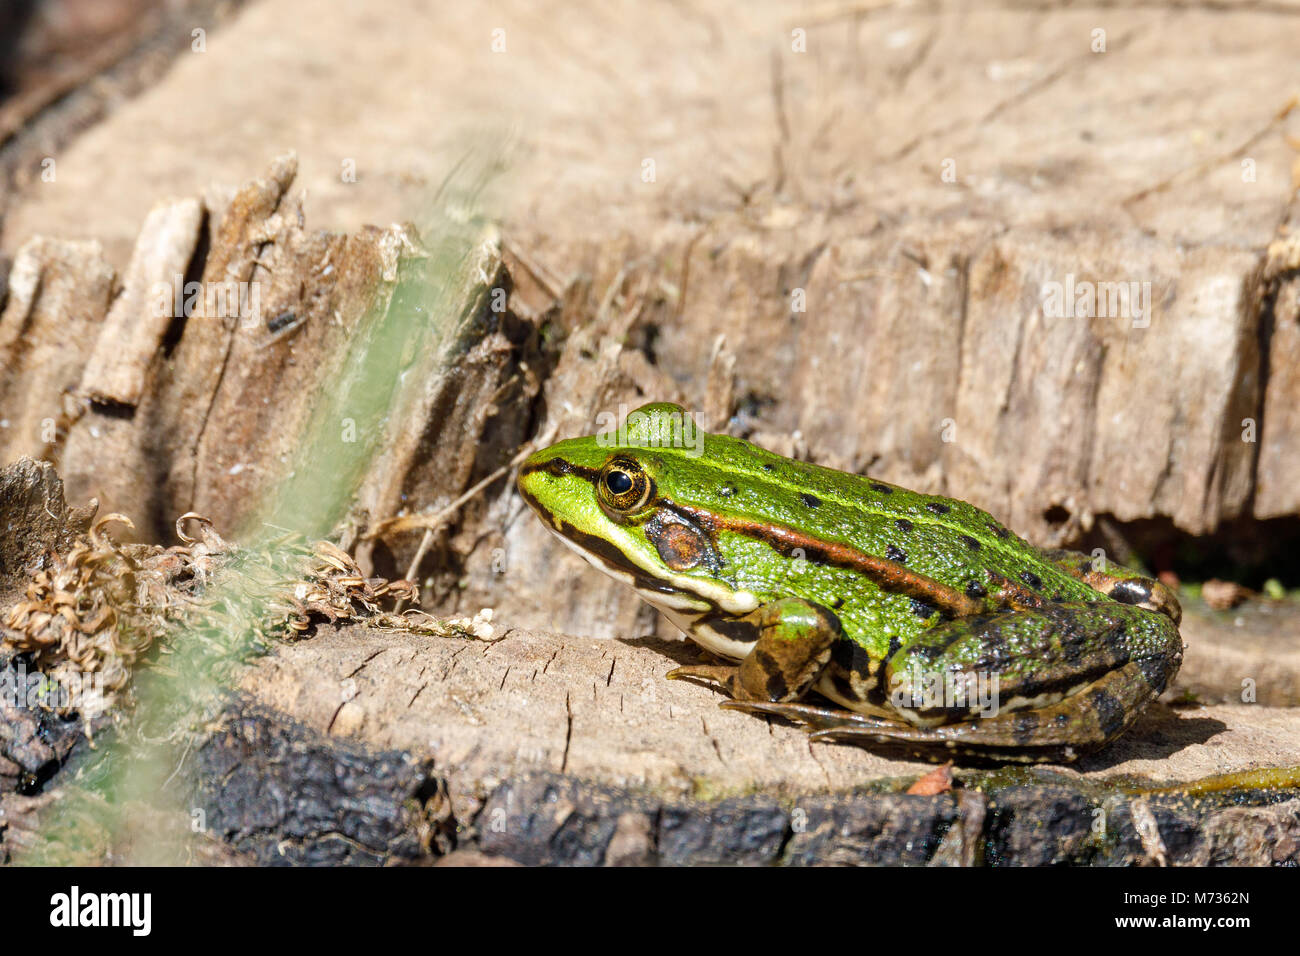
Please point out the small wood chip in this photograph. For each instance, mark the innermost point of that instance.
(1224, 595)
(938, 780)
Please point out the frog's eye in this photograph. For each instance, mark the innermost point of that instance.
(618, 482)
(623, 485)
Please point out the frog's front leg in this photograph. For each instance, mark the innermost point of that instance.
(793, 647)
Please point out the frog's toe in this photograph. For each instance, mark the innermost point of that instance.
(963, 742)
(816, 720)
(717, 675)
(894, 738)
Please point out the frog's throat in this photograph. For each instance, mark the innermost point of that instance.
(676, 593)
(683, 610)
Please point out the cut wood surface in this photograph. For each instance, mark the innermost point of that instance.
(527, 702)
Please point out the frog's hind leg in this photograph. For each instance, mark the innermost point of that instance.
(1059, 733)
(793, 644)
(1021, 685)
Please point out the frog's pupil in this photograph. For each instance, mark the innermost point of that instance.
(618, 482)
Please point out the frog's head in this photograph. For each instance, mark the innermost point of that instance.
(613, 498)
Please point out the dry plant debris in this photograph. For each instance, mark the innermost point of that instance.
(334, 588)
(95, 610)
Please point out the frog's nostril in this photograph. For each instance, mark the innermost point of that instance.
(531, 477)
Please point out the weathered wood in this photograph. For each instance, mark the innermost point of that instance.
(1277, 491)
(827, 171)
(137, 320)
(352, 806)
(59, 292)
(531, 701)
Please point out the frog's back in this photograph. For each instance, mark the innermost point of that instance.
(825, 525)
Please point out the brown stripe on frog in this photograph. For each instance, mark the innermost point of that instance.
(739, 629)
(1013, 594)
(854, 674)
(890, 575)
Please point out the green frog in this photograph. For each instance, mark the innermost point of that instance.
(858, 609)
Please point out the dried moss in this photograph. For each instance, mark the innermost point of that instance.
(99, 609)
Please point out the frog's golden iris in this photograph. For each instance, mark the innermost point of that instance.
(623, 486)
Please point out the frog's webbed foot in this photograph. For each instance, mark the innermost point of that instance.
(836, 724)
(893, 738)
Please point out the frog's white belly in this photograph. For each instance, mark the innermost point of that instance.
(702, 634)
